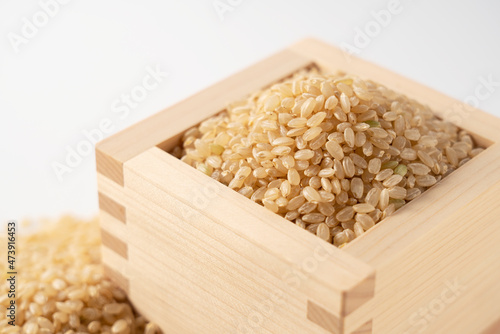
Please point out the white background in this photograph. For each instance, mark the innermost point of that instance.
(65, 78)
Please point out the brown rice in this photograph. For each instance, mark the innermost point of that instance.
(328, 151)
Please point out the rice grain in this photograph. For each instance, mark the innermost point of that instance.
(327, 152)
(62, 288)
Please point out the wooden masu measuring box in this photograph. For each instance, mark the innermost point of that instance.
(197, 257)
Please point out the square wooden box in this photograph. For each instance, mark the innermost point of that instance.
(196, 257)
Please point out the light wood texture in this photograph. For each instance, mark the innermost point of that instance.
(196, 257)
(112, 242)
(325, 319)
(367, 328)
(113, 208)
(113, 226)
(450, 234)
(493, 329)
(117, 277)
(324, 274)
(483, 126)
(214, 263)
(121, 147)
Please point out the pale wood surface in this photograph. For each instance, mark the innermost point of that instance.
(449, 234)
(278, 245)
(493, 329)
(110, 241)
(121, 147)
(111, 207)
(484, 126)
(116, 268)
(325, 319)
(201, 258)
(113, 226)
(190, 266)
(367, 328)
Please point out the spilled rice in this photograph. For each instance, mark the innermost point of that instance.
(61, 287)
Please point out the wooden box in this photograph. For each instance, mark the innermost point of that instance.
(196, 257)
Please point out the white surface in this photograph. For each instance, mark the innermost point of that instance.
(65, 78)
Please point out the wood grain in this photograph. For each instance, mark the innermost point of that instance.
(117, 277)
(287, 246)
(367, 328)
(447, 237)
(493, 329)
(358, 295)
(196, 257)
(325, 319)
(112, 242)
(483, 126)
(112, 207)
(121, 147)
(109, 166)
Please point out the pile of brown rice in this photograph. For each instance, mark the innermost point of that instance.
(332, 153)
(61, 287)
